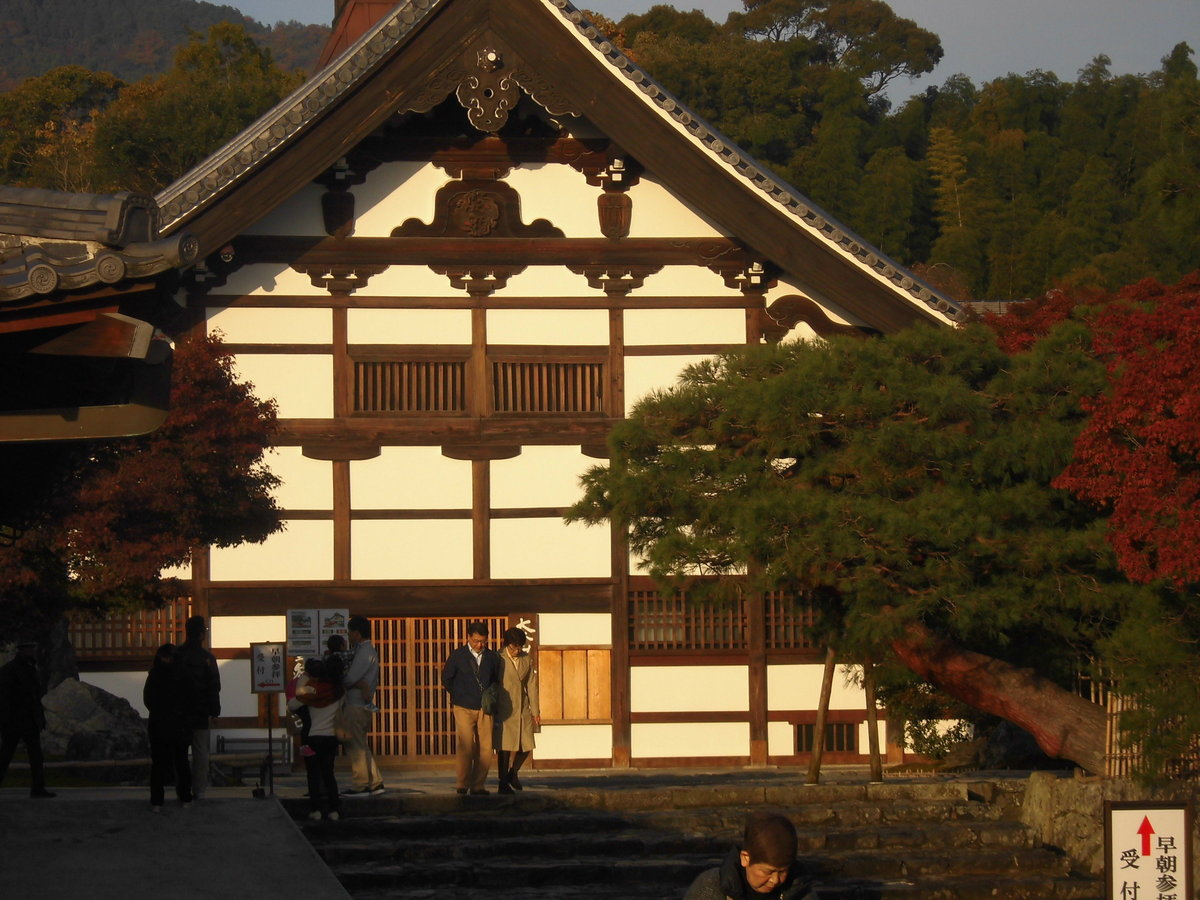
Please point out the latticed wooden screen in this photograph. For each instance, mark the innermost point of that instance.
(415, 718)
(134, 636)
(548, 387)
(788, 621)
(421, 386)
(675, 623)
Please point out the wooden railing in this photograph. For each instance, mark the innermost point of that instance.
(419, 386)
(548, 387)
(133, 636)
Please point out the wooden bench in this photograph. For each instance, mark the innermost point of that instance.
(235, 756)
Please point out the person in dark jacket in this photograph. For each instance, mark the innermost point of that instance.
(170, 736)
(202, 684)
(764, 866)
(22, 717)
(469, 670)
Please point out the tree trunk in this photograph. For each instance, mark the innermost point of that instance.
(1065, 725)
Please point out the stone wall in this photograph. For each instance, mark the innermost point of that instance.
(1067, 812)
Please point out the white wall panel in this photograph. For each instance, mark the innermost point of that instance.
(658, 213)
(547, 548)
(574, 630)
(236, 697)
(257, 325)
(264, 279)
(551, 327)
(410, 478)
(307, 483)
(540, 476)
(299, 214)
(574, 742)
(403, 548)
(302, 551)
(408, 326)
(684, 326)
(799, 687)
(781, 739)
(548, 281)
(393, 193)
(127, 685)
(560, 194)
(239, 632)
(646, 373)
(689, 688)
(410, 281)
(302, 385)
(689, 739)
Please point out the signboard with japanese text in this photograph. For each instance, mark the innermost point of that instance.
(309, 629)
(268, 667)
(1148, 850)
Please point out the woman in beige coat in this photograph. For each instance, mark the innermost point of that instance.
(517, 711)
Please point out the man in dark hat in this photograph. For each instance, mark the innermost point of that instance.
(22, 717)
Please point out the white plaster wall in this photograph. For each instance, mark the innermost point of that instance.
(799, 687)
(684, 326)
(258, 325)
(864, 734)
(410, 478)
(548, 281)
(410, 281)
(127, 685)
(236, 697)
(183, 571)
(408, 326)
(404, 548)
(302, 385)
(540, 476)
(574, 629)
(659, 213)
(781, 739)
(548, 548)
(239, 632)
(307, 483)
(550, 327)
(261, 279)
(302, 551)
(574, 742)
(299, 214)
(558, 193)
(689, 739)
(652, 373)
(393, 193)
(689, 688)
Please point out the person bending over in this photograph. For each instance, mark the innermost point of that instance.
(764, 866)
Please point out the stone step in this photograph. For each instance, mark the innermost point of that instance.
(962, 887)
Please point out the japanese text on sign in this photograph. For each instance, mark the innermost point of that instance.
(1148, 854)
(267, 664)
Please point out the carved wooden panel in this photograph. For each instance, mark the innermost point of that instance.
(477, 208)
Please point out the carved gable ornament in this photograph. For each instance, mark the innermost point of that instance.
(474, 207)
(488, 81)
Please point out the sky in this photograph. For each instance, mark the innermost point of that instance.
(983, 39)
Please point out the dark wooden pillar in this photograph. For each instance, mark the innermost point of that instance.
(481, 519)
(756, 633)
(622, 729)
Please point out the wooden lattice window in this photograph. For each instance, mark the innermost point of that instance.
(410, 386)
(840, 737)
(675, 623)
(415, 719)
(788, 622)
(548, 387)
(574, 684)
(127, 637)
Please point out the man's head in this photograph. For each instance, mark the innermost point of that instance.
(359, 629)
(336, 643)
(27, 650)
(768, 850)
(477, 634)
(195, 629)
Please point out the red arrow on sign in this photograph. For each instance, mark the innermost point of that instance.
(1145, 830)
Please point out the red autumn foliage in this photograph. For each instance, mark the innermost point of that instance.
(1139, 454)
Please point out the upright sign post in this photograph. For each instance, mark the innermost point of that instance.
(1147, 850)
(268, 675)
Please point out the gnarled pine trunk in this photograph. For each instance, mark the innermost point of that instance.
(1065, 725)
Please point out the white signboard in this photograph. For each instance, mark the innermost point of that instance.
(1148, 850)
(309, 629)
(268, 668)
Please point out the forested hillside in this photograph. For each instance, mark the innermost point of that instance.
(130, 38)
(996, 191)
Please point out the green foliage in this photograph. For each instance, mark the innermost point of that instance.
(130, 38)
(159, 128)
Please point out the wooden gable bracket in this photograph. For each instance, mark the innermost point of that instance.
(790, 310)
(478, 281)
(487, 80)
(339, 279)
(615, 280)
(751, 278)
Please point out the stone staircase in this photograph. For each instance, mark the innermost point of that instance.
(933, 841)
